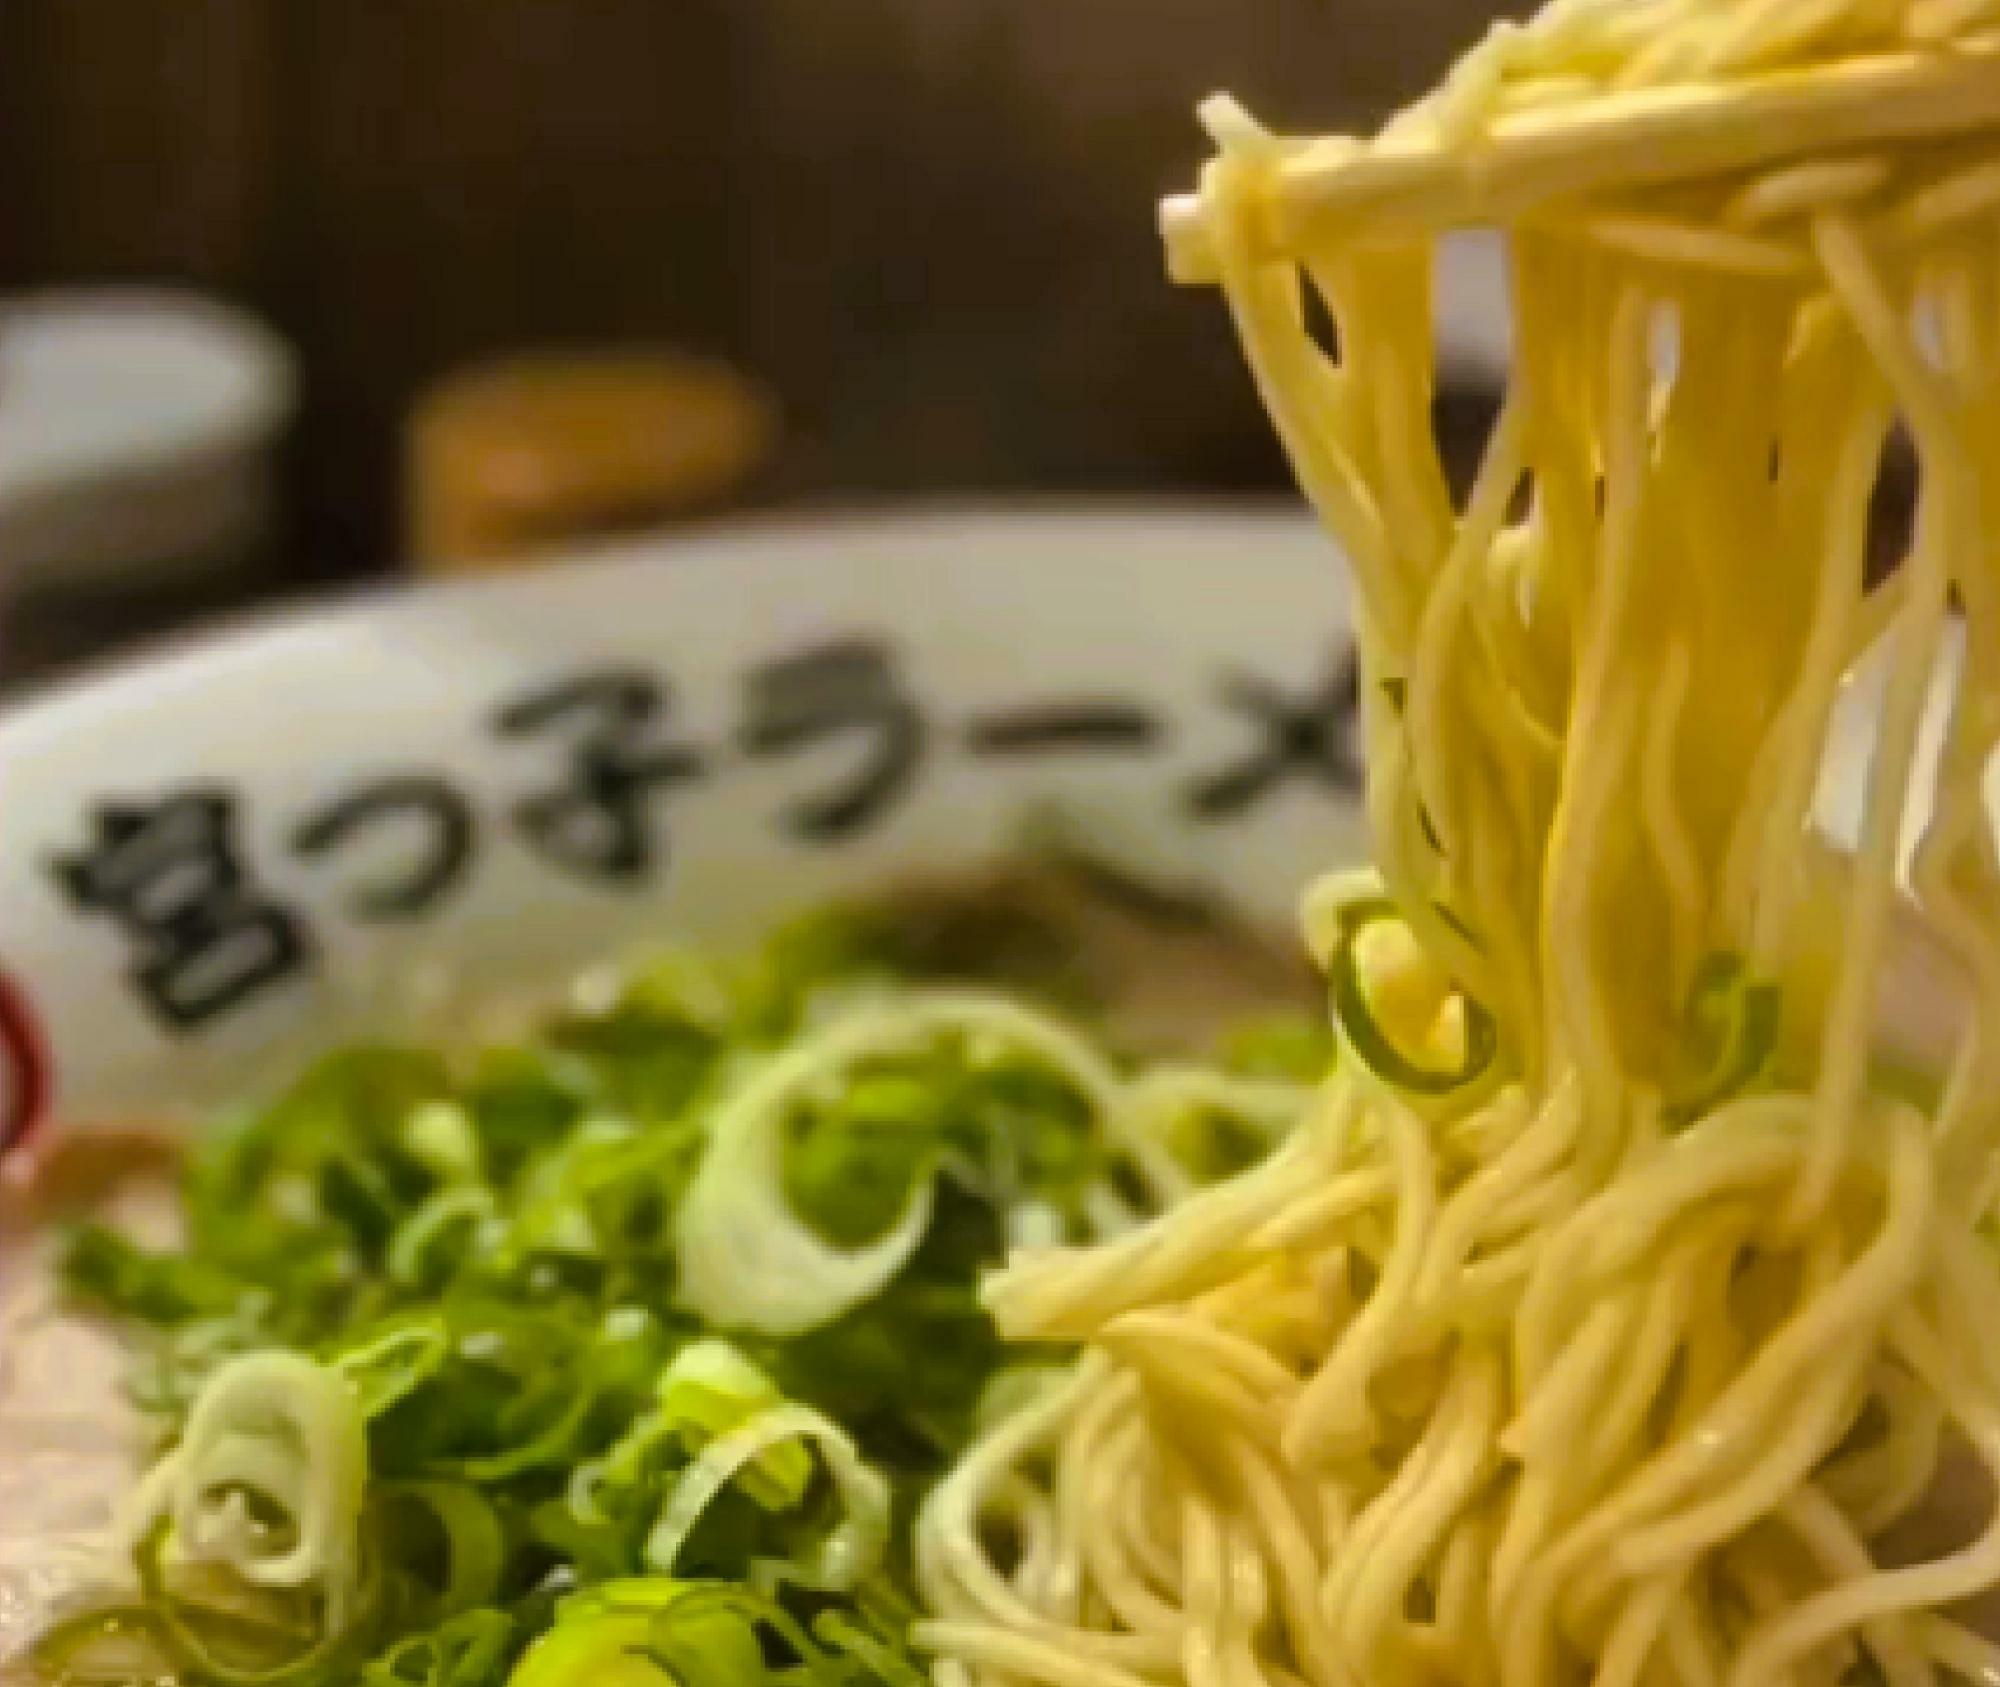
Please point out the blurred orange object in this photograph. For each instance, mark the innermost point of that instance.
(510, 459)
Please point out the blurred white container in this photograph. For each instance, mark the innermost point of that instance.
(137, 434)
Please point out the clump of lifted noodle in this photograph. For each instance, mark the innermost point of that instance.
(1613, 1356)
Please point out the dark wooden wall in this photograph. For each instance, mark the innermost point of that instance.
(927, 223)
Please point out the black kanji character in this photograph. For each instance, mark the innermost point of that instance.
(1087, 725)
(845, 688)
(169, 874)
(440, 822)
(598, 824)
(1310, 737)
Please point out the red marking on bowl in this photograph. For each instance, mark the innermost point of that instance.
(26, 1079)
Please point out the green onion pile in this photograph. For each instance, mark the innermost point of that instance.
(624, 1355)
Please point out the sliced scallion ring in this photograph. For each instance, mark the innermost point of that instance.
(1364, 1034)
(1729, 1032)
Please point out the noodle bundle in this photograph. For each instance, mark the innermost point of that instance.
(1614, 1311)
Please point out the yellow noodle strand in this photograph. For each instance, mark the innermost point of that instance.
(1634, 1362)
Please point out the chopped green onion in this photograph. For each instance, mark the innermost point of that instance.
(387, 1362)
(98, 1264)
(469, 1650)
(1729, 1032)
(115, 1644)
(1363, 1034)
(223, 1632)
(634, 1633)
(268, 1479)
(470, 1532)
(851, 1550)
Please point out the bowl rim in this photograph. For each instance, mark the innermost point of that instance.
(789, 533)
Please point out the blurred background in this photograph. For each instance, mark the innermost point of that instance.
(448, 281)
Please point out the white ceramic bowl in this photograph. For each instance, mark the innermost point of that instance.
(299, 828)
